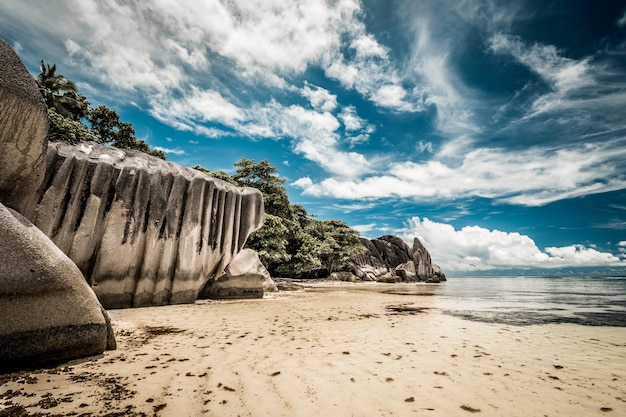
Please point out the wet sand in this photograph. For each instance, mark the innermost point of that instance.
(336, 351)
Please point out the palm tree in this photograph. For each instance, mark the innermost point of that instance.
(60, 93)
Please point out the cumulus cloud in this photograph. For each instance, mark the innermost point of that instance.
(317, 140)
(320, 98)
(350, 119)
(474, 248)
(366, 67)
(194, 109)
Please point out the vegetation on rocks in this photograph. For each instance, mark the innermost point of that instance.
(292, 242)
(68, 111)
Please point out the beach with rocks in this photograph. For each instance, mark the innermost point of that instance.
(340, 349)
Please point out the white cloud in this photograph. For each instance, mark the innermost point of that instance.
(17, 47)
(370, 72)
(320, 98)
(425, 146)
(348, 208)
(530, 177)
(366, 46)
(365, 228)
(473, 248)
(565, 76)
(317, 139)
(176, 151)
(391, 95)
(350, 119)
(194, 109)
(137, 41)
(437, 83)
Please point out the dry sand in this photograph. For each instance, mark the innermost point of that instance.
(330, 352)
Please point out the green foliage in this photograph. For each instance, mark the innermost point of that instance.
(66, 108)
(262, 176)
(68, 130)
(291, 242)
(109, 129)
(270, 242)
(61, 94)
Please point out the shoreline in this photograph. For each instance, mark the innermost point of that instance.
(330, 350)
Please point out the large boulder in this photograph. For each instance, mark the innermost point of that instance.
(48, 311)
(142, 230)
(244, 277)
(23, 131)
(389, 259)
(406, 271)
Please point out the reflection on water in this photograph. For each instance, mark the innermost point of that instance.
(593, 301)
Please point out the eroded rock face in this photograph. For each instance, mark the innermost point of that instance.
(48, 311)
(143, 231)
(389, 259)
(244, 277)
(23, 131)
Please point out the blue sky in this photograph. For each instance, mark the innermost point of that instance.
(493, 130)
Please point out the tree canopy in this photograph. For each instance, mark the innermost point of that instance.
(292, 242)
(67, 109)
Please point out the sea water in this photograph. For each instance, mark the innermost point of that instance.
(521, 300)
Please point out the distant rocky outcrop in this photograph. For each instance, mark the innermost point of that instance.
(389, 259)
(48, 312)
(142, 230)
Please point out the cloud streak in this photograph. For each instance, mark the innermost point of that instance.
(532, 177)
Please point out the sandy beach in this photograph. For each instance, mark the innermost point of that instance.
(330, 351)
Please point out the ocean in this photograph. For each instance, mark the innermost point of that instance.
(522, 300)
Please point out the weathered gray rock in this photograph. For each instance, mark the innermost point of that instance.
(369, 265)
(343, 276)
(389, 259)
(23, 131)
(142, 230)
(245, 266)
(244, 277)
(48, 312)
(406, 271)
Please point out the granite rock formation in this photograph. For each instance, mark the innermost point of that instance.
(23, 130)
(142, 230)
(389, 259)
(244, 277)
(48, 311)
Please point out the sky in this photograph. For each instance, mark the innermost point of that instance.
(495, 131)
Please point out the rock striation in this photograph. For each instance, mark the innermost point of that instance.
(143, 231)
(389, 259)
